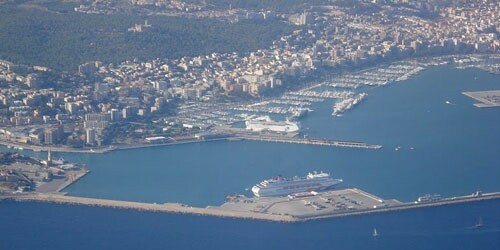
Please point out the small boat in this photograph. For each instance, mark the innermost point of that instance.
(479, 223)
(375, 234)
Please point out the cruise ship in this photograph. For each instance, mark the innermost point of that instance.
(265, 123)
(280, 186)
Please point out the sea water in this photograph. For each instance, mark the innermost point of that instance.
(50, 226)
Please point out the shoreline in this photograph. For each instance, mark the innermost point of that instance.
(280, 139)
(36, 148)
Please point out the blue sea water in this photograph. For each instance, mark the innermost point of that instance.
(450, 149)
(50, 226)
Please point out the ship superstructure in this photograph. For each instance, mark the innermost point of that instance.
(280, 186)
(265, 123)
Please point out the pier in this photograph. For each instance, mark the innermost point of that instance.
(319, 142)
(140, 206)
(487, 99)
(329, 204)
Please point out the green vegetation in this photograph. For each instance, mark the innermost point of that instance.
(65, 40)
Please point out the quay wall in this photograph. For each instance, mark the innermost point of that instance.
(214, 211)
(405, 206)
(70, 182)
(151, 207)
(319, 142)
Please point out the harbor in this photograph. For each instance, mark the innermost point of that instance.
(345, 91)
(321, 205)
(19, 174)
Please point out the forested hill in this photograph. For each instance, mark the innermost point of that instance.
(62, 41)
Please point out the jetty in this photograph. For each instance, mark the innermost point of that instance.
(304, 207)
(141, 206)
(319, 142)
(487, 99)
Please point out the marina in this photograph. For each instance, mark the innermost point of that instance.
(346, 90)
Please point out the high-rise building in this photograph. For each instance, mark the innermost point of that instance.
(90, 136)
(33, 81)
(53, 135)
(89, 68)
(128, 112)
(115, 115)
(100, 91)
(71, 107)
(97, 117)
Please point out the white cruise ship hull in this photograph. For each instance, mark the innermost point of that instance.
(286, 187)
(266, 124)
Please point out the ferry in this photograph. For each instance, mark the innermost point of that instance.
(429, 198)
(280, 186)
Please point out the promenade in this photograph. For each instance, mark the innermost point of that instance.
(251, 137)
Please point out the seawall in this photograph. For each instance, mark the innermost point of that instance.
(219, 212)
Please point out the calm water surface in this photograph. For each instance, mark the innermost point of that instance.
(50, 226)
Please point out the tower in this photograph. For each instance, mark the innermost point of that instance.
(49, 157)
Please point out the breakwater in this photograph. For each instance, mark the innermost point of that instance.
(140, 206)
(406, 206)
(330, 204)
(319, 142)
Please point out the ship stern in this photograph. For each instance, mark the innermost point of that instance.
(255, 191)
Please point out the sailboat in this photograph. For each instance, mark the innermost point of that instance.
(375, 234)
(479, 223)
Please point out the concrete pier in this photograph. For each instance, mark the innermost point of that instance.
(151, 207)
(319, 142)
(487, 99)
(330, 204)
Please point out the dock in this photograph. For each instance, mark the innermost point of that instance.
(304, 207)
(487, 99)
(141, 206)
